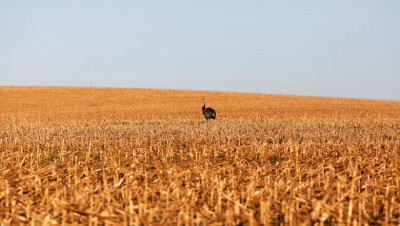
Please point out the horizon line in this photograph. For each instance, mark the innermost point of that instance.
(198, 90)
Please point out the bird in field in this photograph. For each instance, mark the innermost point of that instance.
(208, 113)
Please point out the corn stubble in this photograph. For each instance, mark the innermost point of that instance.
(286, 168)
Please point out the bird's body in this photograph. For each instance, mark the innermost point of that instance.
(208, 113)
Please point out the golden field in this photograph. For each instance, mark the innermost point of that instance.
(108, 156)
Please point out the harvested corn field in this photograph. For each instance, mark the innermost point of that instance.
(136, 156)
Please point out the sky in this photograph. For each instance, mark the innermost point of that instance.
(315, 48)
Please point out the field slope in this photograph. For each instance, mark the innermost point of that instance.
(147, 156)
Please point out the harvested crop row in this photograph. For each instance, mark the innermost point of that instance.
(173, 171)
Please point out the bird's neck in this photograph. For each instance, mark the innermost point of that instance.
(204, 106)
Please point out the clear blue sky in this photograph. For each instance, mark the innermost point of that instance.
(323, 48)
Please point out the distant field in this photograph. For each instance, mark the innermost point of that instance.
(145, 156)
(66, 103)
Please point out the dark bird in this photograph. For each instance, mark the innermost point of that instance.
(208, 113)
